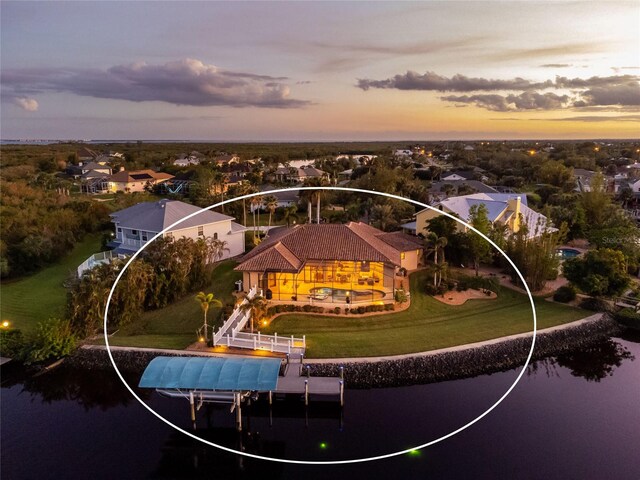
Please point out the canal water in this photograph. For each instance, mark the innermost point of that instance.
(573, 416)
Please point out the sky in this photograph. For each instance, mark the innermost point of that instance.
(319, 71)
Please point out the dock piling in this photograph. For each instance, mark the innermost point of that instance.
(306, 393)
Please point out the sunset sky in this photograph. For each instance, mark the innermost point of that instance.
(320, 71)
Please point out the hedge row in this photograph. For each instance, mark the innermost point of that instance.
(359, 310)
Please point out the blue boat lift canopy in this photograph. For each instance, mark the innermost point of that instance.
(212, 373)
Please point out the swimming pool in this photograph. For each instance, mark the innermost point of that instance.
(565, 253)
(340, 295)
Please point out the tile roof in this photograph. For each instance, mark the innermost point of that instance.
(401, 241)
(156, 216)
(287, 249)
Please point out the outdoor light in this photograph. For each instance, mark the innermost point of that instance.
(201, 339)
(6, 324)
(264, 322)
(323, 445)
(414, 453)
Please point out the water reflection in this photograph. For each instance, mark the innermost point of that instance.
(91, 389)
(593, 363)
(184, 457)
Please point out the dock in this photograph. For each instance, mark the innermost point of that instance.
(234, 380)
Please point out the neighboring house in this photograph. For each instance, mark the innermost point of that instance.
(361, 158)
(299, 175)
(503, 208)
(583, 179)
(136, 180)
(402, 153)
(441, 190)
(285, 199)
(350, 263)
(464, 175)
(187, 161)
(226, 159)
(85, 155)
(95, 167)
(136, 225)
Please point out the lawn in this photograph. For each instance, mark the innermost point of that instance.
(42, 295)
(175, 326)
(426, 325)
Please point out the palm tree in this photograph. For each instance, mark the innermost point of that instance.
(206, 300)
(271, 203)
(216, 249)
(290, 213)
(256, 305)
(435, 244)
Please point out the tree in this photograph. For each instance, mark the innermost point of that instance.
(290, 214)
(382, 217)
(436, 245)
(206, 300)
(271, 203)
(257, 306)
(599, 273)
(534, 255)
(216, 249)
(479, 248)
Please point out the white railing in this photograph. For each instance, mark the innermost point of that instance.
(97, 259)
(238, 316)
(231, 334)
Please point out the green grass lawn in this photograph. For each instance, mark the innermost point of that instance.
(27, 301)
(426, 325)
(175, 326)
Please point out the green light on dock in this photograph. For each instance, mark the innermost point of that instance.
(323, 445)
(414, 453)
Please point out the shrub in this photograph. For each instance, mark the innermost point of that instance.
(400, 296)
(629, 318)
(389, 307)
(346, 310)
(11, 343)
(53, 339)
(565, 294)
(595, 305)
(337, 310)
(360, 309)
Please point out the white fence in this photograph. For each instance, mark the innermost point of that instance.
(98, 259)
(231, 334)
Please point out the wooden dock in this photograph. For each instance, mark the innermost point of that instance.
(295, 381)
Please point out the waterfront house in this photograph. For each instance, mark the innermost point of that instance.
(338, 263)
(136, 225)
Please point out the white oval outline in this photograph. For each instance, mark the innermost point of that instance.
(327, 462)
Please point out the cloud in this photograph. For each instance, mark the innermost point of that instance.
(555, 65)
(28, 104)
(625, 95)
(569, 49)
(182, 82)
(431, 81)
(596, 118)
(500, 103)
(614, 92)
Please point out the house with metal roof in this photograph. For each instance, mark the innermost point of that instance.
(136, 225)
(337, 263)
(509, 209)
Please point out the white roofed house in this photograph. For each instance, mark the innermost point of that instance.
(509, 209)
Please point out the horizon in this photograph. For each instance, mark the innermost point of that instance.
(321, 72)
